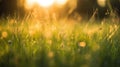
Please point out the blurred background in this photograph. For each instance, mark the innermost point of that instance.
(85, 8)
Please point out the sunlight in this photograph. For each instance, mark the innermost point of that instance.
(30, 2)
(45, 3)
(61, 2)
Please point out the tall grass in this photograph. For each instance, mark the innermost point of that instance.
(64, 43)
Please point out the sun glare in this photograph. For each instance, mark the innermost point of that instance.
(30, 2)
(45, 3)
(61, 2)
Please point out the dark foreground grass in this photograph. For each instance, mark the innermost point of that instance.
(32, 43)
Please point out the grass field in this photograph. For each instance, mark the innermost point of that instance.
(63, 43)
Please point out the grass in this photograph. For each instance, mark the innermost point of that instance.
(64, 43)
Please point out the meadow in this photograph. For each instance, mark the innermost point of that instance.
(61, 43)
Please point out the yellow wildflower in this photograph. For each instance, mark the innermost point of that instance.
(4, 34)
(82, 44)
